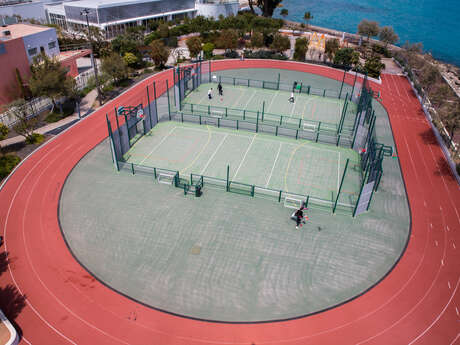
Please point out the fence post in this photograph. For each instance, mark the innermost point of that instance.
(308, 90)
(341, 184)
(132, 168)
(155, 100)
(343, 81)
(317, 133)
(228, 177)
(257, 122)
(209, 109)
(150, 110)
(169, 105)
(276, 132)
(354, 82)
(237, 125)
(324, 93)
(307, 200)
(279, 196)
(263, 110)
(279, 77)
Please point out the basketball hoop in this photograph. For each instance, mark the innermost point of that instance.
(140, 114)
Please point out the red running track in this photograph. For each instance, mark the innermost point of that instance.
(417, 303)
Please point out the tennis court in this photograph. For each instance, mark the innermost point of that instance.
(272, 104)
(276, 163)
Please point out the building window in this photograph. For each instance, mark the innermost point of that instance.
(42, 49)
(52, 45)
(2, 48)
(32, 51)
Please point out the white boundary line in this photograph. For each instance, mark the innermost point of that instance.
(273, 167)
(210, 159)
(249, 100)
(244, 157)
(161, 142)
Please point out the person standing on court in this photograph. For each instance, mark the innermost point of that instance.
(221, 91)
(210, 93)
(299, 217)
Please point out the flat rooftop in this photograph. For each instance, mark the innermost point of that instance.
(104, 3)
(21, 30)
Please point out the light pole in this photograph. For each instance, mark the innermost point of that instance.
(85, 12)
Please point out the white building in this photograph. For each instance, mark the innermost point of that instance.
(26, 9)
(114, 16)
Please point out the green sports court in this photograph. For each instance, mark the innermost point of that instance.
(234, 255)
(271, 163)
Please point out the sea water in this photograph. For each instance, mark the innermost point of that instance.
(434, 23)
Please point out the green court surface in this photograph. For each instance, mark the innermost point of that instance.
(277, 163)
(273, 103)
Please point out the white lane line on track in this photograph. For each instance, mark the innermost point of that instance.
(436, 242)
(6, 250)
(439, 316)
(420, 263)
(448, 284)
(33, 267)
(453, 245)
(456, 309)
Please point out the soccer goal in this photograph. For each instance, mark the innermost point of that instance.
(311, 127)
(165, 178)
(293, 201)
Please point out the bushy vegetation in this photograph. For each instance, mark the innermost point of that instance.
(264, 54)
(7, 164)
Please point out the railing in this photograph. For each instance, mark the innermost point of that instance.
(33, 108)
(202, 181)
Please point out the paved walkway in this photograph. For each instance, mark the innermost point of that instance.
(85, 108)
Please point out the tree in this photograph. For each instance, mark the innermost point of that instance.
(49, 78)
(331, 48)
(301, 47)
(374, 66)
(280, 43)
(228, 39)
(307, 17)
(207, 50)
(115, 67)
(368, 28)
(266, 6)
(194, 45)
(344, 56)
(257, 39)
(388, 36)
(159, 53)
(4, 130)
(429, 75)
(126, 43)
(452, 119)
(130, 59)
(284, 13)
(24, 124)
(163, 30)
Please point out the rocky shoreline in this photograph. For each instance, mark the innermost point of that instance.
(449, 72)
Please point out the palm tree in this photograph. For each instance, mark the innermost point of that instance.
(307, 17)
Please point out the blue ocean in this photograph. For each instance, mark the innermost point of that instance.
(435, 23)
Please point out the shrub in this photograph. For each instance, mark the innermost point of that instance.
(231, 54)
(7, 164)
(68, 108)
(264, 54)
(207, 50)
(3, 131)
(35, 138)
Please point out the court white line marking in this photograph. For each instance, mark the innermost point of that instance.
(244, 157)
(442, 262)
(453, 245)
(161, 142)
(249, 100)
(273, 98)
(238, 100)
(273, 167)
(436, 242)
(210, 159)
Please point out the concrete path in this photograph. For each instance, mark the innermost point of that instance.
(85, 108)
